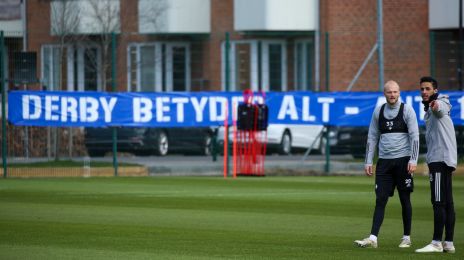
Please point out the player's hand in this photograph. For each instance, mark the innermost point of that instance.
(368, 170)
(411, 168)
(434, 105)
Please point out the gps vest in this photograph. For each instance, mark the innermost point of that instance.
(395, 125)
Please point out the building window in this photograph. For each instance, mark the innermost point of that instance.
(158, 67)
(78, 68)
(304, 65)
(90, 65)
(444, 60)
(147, 67)
(256, 65)
(243, 66)
(51, 68)
(273, 64)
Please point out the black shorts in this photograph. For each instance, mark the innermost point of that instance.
(391, 173)
(441, 186)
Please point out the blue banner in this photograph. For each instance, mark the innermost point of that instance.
(180, 109)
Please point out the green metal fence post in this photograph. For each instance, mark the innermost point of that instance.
(213, 145)
(380, 43)
(2, 85)
(327, 88)
(227, 89)
(113, 88)
(327, 150)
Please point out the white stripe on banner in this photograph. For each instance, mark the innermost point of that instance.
(437, 186)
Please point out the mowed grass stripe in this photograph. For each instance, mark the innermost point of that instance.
(205, 218)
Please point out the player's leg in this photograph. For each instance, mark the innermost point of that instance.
(406, 210)
(439, 212)
(438, 201)
(383, 189)
(450, 215)
(405, 185)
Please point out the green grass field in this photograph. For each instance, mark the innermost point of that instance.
(209, 218)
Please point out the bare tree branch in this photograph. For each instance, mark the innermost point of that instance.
(65, 17)
(152, 14)
(105, 15)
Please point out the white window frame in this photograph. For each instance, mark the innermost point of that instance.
(254, 64)
(81, 67)
(265, 63)
(232, 64)
(70, 57)
(169, 65)
(305, 63)
(50, 61)
(159, 70)
(138, 62)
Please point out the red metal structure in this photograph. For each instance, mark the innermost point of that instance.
(250, 136)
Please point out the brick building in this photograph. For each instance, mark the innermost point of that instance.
(352, 30)
(180, 45)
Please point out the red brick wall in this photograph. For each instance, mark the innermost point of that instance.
(38, 29)
(222, 21)
(352, 28)
(407, 46)
(129, 27)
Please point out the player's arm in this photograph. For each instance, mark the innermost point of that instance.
(439, 108)
(413, 128)
(372, 139)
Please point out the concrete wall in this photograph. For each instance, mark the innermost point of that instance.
(276, 15)
(444, 14)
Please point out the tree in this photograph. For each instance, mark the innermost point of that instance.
(65, 17)
(105, 17)
(105, 20)
(152, 15)
(89, 24)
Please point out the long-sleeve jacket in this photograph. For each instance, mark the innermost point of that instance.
(440, 135)
(393, 145)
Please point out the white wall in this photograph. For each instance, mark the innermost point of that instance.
(179, 16)
(275, 15)
(88, 22)
(444, 14)
(13, 28)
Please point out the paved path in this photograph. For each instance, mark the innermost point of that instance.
(274, 165)
(182, 165)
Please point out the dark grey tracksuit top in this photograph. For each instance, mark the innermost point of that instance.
(393, 145)
(440, 135)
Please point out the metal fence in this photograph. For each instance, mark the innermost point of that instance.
(222, 61)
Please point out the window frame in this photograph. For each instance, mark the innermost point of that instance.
(169, 71)
(163, 65)
(265, 64)
(305, 62)
(70, 59)
(259, 48)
